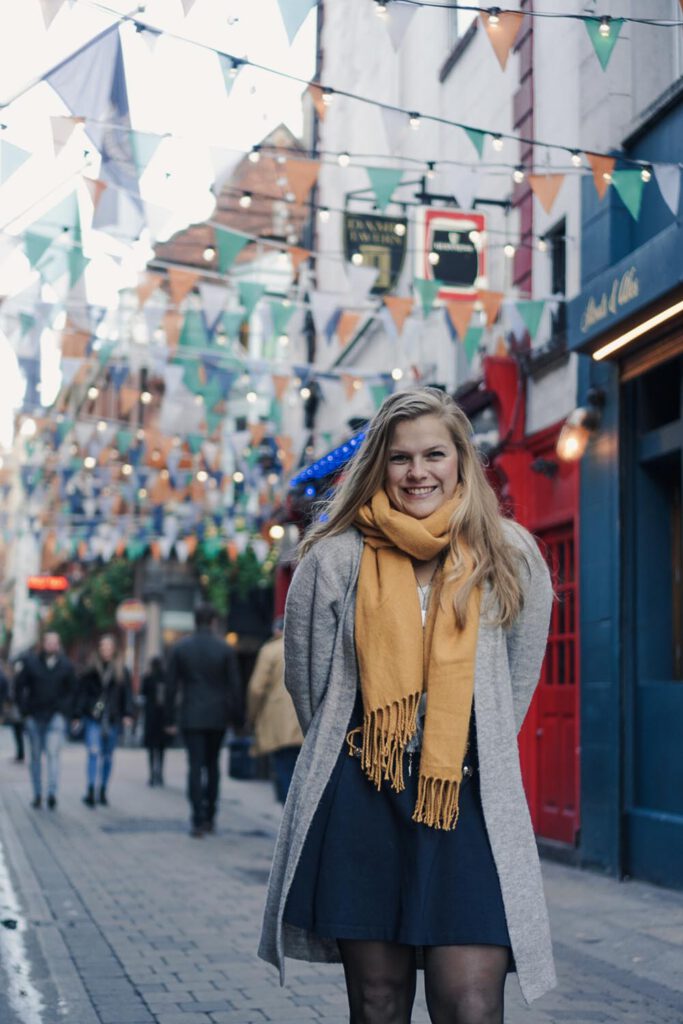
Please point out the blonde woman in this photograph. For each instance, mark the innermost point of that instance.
(415, 628)
(105, 702)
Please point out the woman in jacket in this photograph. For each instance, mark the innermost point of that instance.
(105, 702)
(415, 628)
(156, 737)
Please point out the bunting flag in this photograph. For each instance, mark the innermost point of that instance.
(144, 146)
(346, 326)
(491, 301)
(460, 314)
(471, 342)
(147, 285)
(229, 245)
(229, 71)
(477, 138)
(172, 324)
(398, 23)
(378, 392)
(395, 124)
(62, 130)
(668, 178)
(298, 256)
(74, 344)
(545, 187)
(187, 6)
(294, 13)
(232, 322)
(280, 385)
(531, 312)
(601, 165)
(399, 308)
(464, 182)
(50, 10)
(250, 292)
(361, 282)
(181, 283)
(427, 291)
(193, 334)
(502, 33)
(11, 159)
(629, 186)
(257, 432)
(128, 399)
(603, 44)
(280, 315)
(384, 181)
(213, 298)
(77, 263)
(349, 382)
(316, 93)
(36, 246)
(95, 187)
(301, 176)
(149, 36)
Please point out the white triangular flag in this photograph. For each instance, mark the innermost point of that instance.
(213, 298)
(399, 17)
(361, 281)
(668, 178)
(224, 163)
(464, 182)
(395, 125)
(51, 9)
(62, 130)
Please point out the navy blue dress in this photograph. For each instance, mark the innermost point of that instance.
(368, 871)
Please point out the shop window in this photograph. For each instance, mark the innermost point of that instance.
(659, 396)
(557, 248)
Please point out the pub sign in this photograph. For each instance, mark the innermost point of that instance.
(382, 243)
(457, 237)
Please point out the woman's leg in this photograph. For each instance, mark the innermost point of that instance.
(109, 741)
(93, 739)
(380, 981)
(465, 984)
(152, 766)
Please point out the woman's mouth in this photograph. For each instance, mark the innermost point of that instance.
(419, 492)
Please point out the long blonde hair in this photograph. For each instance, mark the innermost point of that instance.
(477, 521)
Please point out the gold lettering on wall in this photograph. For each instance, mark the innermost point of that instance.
(623, 290)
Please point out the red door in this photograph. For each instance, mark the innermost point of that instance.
(557, 739)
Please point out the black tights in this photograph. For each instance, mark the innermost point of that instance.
(463, 984)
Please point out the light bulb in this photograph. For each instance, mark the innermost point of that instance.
(209, 253)
(140, 433)
(328, 96)
(433, 258)
(607, 177)
(202, 476)
(380, 8)
(399, 229)
(146, 397)
(497, 142)
(414, 120)
(142, 493)
(101, 426)
(576, 158)
(252, 396)
(236, 64)
(494, 16)
(509, 250)
(542, 245)
(518, 175)
(646, 175)
(245, 200)
(276, 532)
(475, 236)
(255, 155)
(324, 214)
(605, 27)
(89, 462)
(305, 393)
(431, 171)
(343, 159)
(357, 259)
(93, 392)
(357, 384)
(283, 340)
(397, 373)
(126, 469)
(238, 477)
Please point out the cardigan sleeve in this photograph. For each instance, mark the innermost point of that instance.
(528, 636)
(311, 620)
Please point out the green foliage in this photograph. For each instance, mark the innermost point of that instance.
(90, 608)
(220, 577)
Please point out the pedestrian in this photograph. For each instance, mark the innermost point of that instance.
(415, 627)
(271, 714)
(156, 737)
(105, 703)
(204, 695)
(11, 715)
(44, 686)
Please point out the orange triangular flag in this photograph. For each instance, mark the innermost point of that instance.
(284, 441)
(190, 544)
(491, 301)
(502, 33)
(197, 491)
(155, 550)
(349, 384)
(62, 130)
(301, 176)
(180, 283)
(545, 187)
(298, 255)
(501, 347)
(257, 432)
(601, 165)
(147, 285)
(173, 323)
(280, 385)
(316, 94)
(75, 344)
(95, 187)
(346, 325)
(399, 308)
(128, 398)
(460, 314)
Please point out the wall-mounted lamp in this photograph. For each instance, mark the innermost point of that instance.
(579, 425)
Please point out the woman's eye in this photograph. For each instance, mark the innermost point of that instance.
(397, 458)
(436, 455)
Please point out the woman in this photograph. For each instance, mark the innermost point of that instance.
(105, 701)
(415, 628)
(156, 737)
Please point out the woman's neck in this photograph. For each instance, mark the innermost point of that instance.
(424, 571)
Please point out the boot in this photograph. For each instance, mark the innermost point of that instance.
(103, 797)
(89, 798)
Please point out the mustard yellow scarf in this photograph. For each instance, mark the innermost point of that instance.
(398, 659)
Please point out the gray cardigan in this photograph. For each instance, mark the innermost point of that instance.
(321, 675)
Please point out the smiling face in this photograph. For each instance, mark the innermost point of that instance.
(422, 466)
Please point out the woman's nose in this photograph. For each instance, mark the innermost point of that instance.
(416, 469)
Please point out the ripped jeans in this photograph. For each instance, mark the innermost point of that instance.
(100, 744)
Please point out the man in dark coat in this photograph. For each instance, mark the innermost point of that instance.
(204, 697)
(44, 687)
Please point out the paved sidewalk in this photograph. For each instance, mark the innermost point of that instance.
(123, 919)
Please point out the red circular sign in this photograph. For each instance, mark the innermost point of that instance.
(131, 615)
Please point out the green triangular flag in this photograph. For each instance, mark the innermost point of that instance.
(195, 442)
(191, 378)
(36, 246)
(11, 159)
(477, 139)
(294, 14)
(603, 45)
(26, 322)
(531, 313)
(62, 217)
(427, 291)
(227, 66)
(275, 414)
(471, 342)
(629, 186)
(379, 392)
(232, 321)
(54, 265)
(213, 393)
(213, 420)
(280, 315)
(104, 353)
(250, 293)
(193, 334)
(124, 440)
(144, 146)
(212, 547)
(135, 549)
(384, 180)
(77, 263)
(229, 244)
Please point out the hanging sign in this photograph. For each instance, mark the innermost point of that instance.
(131, 615)
(47, 584)
(456, 237)
(381, 241)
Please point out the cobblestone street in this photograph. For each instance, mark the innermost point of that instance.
(123, 919)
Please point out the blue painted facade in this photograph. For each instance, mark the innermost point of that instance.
(631, 759)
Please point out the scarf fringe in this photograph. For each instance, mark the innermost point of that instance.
(385, 733)
(437, 803)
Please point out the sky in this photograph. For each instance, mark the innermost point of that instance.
(175, 89)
